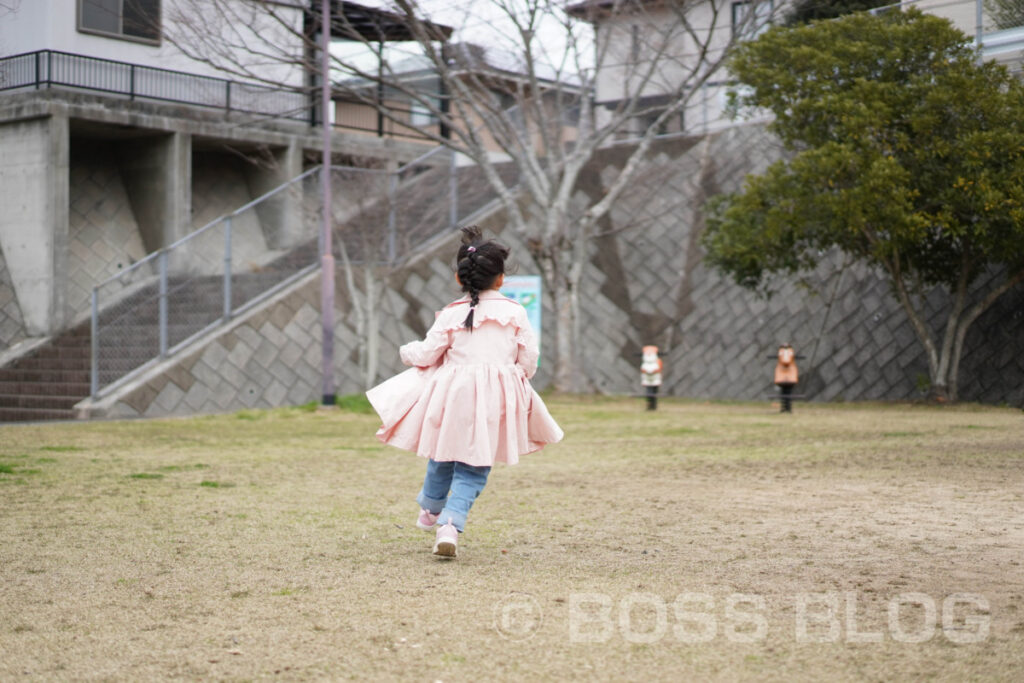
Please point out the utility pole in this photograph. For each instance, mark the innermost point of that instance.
(327, 253)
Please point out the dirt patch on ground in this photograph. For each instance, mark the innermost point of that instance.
(858, 542)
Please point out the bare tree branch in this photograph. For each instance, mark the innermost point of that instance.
(624, 69)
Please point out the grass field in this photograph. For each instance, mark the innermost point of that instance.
(703, 541)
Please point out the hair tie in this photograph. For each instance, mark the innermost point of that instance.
(470, 249)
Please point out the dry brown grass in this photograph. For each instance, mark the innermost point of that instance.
(298, 557)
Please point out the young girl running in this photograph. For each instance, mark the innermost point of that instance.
(467, 401)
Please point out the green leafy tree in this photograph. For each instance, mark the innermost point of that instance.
(906, 152)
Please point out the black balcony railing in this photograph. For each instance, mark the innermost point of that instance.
(55, 69)
(50, 68)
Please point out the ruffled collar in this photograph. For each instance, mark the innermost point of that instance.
(485, 295)
(454, 313)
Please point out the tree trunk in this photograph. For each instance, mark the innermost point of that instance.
(558, 286)
(372, 344)
(944, 363)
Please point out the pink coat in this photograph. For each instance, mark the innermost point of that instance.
(468, 395)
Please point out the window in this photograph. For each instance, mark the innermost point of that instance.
(420, 115)
(129, 19)
(751, 18)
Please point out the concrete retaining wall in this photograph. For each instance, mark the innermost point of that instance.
(645, 284)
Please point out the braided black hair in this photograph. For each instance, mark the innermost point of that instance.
(478, 264)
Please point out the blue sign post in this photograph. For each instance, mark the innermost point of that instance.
(526, 290)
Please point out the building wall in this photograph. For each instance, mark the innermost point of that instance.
(53, 25)
(34, 219)
(628, 43)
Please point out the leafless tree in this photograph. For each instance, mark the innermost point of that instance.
(553, 86)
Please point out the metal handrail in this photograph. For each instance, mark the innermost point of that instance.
(161, 257)
(101, 302)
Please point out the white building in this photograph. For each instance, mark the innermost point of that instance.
(659, 48)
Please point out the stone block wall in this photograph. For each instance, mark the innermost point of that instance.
(12, 324)
(103, 235)
(218, 188)
(268, 358)
(645, 284)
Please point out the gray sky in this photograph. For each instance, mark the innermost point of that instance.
(477, 21)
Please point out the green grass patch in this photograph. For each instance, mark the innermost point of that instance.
(206, 483)
(601, 415)
(250, 415)
(680, 431)
(61, 449)
(355, 403)
(13, 469)
(183, 468)
(145, 475)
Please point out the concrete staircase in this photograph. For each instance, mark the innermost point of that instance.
(47, 382)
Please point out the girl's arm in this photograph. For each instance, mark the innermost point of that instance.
(529, 351)
(423, 354)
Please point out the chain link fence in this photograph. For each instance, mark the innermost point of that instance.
(380, 218)
(384, 218)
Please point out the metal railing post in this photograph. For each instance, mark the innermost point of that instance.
(162, 266)
(392, 222)
(131, 82)
(227, 96)
(38, 75)
(453, 191)
(979, 27)
(227, 269)
(94, 327)
(704, 105)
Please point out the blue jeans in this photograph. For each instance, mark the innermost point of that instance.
(465, 483)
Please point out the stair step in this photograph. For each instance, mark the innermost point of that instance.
(61, 376)
(35, 402)
(39, 414)
(62, 352)
(45, 388)
(54, 363)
